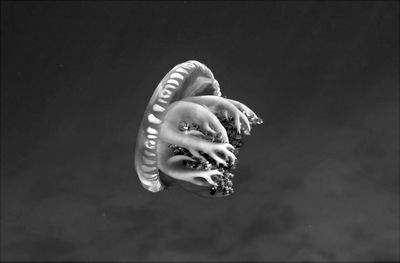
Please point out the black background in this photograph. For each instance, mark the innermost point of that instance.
(317, 181)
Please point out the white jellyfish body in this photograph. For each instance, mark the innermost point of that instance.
(187, 132)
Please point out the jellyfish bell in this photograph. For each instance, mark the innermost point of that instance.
(191, 135)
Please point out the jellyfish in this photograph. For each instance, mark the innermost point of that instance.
(190, 134)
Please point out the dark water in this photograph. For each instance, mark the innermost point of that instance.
(318, 181)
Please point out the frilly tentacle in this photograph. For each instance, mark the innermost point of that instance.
(224, 107)
(174, 167)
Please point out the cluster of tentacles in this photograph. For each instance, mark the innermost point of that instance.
(215, 169)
